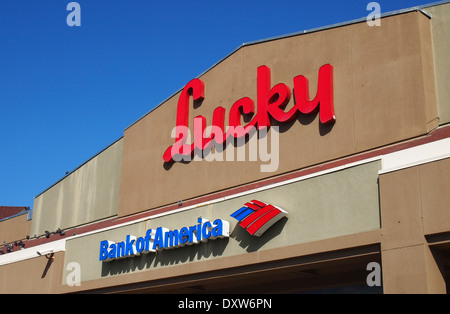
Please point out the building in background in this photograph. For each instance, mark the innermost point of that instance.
(352, 194)
(15, 224)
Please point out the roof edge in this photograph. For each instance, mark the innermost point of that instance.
(307, 31)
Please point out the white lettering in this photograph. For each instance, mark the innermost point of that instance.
(233, 149)
(74, 277)
(373, 19)
(74, 17)
(374, 277)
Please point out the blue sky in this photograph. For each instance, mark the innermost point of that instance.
(66, 93)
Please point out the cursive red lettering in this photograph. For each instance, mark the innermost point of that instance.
(270, 101)
(324, 97)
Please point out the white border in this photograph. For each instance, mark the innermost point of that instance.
(21, 255)
(417, 155)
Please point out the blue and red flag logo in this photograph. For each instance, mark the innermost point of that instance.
(256, 216)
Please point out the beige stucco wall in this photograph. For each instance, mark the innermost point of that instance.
(383, 93)
(331, 205)
(440, 22)
(414, 203)
(37, 275)
(88, 194)
(14, 229)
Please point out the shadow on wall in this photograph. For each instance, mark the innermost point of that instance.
(253, 243)
(188, 253)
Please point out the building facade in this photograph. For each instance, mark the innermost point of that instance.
(313, 162)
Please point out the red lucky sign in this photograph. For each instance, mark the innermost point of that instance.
(269, 101)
